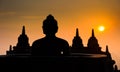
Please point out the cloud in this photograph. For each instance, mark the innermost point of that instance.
(30, 17)
(7, 13)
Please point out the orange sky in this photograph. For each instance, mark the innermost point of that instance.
(70, 14)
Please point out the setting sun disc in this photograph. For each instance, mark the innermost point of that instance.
(101, 28)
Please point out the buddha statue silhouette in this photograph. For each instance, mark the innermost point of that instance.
(50, 45)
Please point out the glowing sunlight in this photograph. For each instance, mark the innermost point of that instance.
(101, 28)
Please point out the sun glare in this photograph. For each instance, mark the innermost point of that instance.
(101, 28)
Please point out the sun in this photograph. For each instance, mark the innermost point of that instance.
(101, 28)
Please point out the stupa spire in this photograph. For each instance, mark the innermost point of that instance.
(107, 50)
(93, 33)
(77, 33)
(23, 30)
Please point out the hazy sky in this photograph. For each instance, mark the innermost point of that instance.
(70, 14)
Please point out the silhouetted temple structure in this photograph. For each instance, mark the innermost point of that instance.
(22, 47)
(92, 46)
(77, 45)
(54, 54)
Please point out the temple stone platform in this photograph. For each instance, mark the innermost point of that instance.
(72, 63)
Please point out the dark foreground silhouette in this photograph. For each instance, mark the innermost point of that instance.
(50, 45)
(53, 54)
(83, 63)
